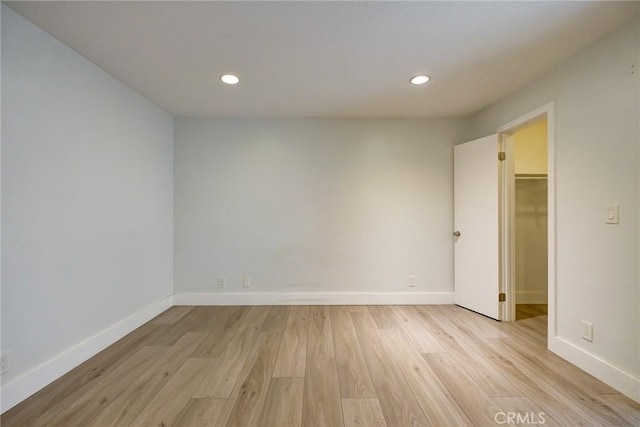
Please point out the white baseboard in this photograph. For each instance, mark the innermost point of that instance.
(314, 298)
(620, 380)
(531, 297)
(30, 382)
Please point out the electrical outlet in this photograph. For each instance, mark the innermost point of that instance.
(4, 363)
(221, 282)
(412, 281)
(246, 282)
(587, 330)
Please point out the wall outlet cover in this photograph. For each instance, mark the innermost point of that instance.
(587, 330)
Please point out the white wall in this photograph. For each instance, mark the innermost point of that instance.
(597, 163)
(87, 206)
(312, 206)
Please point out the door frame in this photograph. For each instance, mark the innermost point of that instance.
(507, 210)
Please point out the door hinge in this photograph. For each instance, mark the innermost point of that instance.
(502, 297)
(501, 155)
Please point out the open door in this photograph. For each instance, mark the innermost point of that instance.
(477, 225)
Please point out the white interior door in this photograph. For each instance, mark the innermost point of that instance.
(476, 219)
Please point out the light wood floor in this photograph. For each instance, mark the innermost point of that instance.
(526, 311)
(327, 366)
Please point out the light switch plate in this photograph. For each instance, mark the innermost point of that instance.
(612, 212)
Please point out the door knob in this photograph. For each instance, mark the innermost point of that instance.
(456, 234)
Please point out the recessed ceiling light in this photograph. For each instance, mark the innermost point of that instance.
(230, 79)
(419, 80)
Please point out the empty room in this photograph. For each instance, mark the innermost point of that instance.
(323, 213)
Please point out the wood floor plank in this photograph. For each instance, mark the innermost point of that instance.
(537, 324)
(398, 403)
(253, 317)
(200, 319)
(283, 404)
(551, 402)
(200, 413)
(45, 403)
(277, 318)
(479, 407)
(525, 311)
(320, 344)
(482, 326)
(168, 333)
(220, 332)
(521, 332)
(220, 379)
(86, 407)
(322, 405)
(547, 360)
(560, 408)
(246, 403)
(174, 396)
(529, 413)
(383, 316)
(485, 374)
(362, 413)
(354, 378)
(586, 402)
(205, 318)
(173, 314)
(128, 405)
(432, 394)
(358, 309)
(624, 406)
(548, 398)
(417, 329)
(293, 350)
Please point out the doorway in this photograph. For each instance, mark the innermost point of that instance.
(530, 219)
(529, 228)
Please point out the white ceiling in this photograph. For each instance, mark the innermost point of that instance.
(326, 59)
